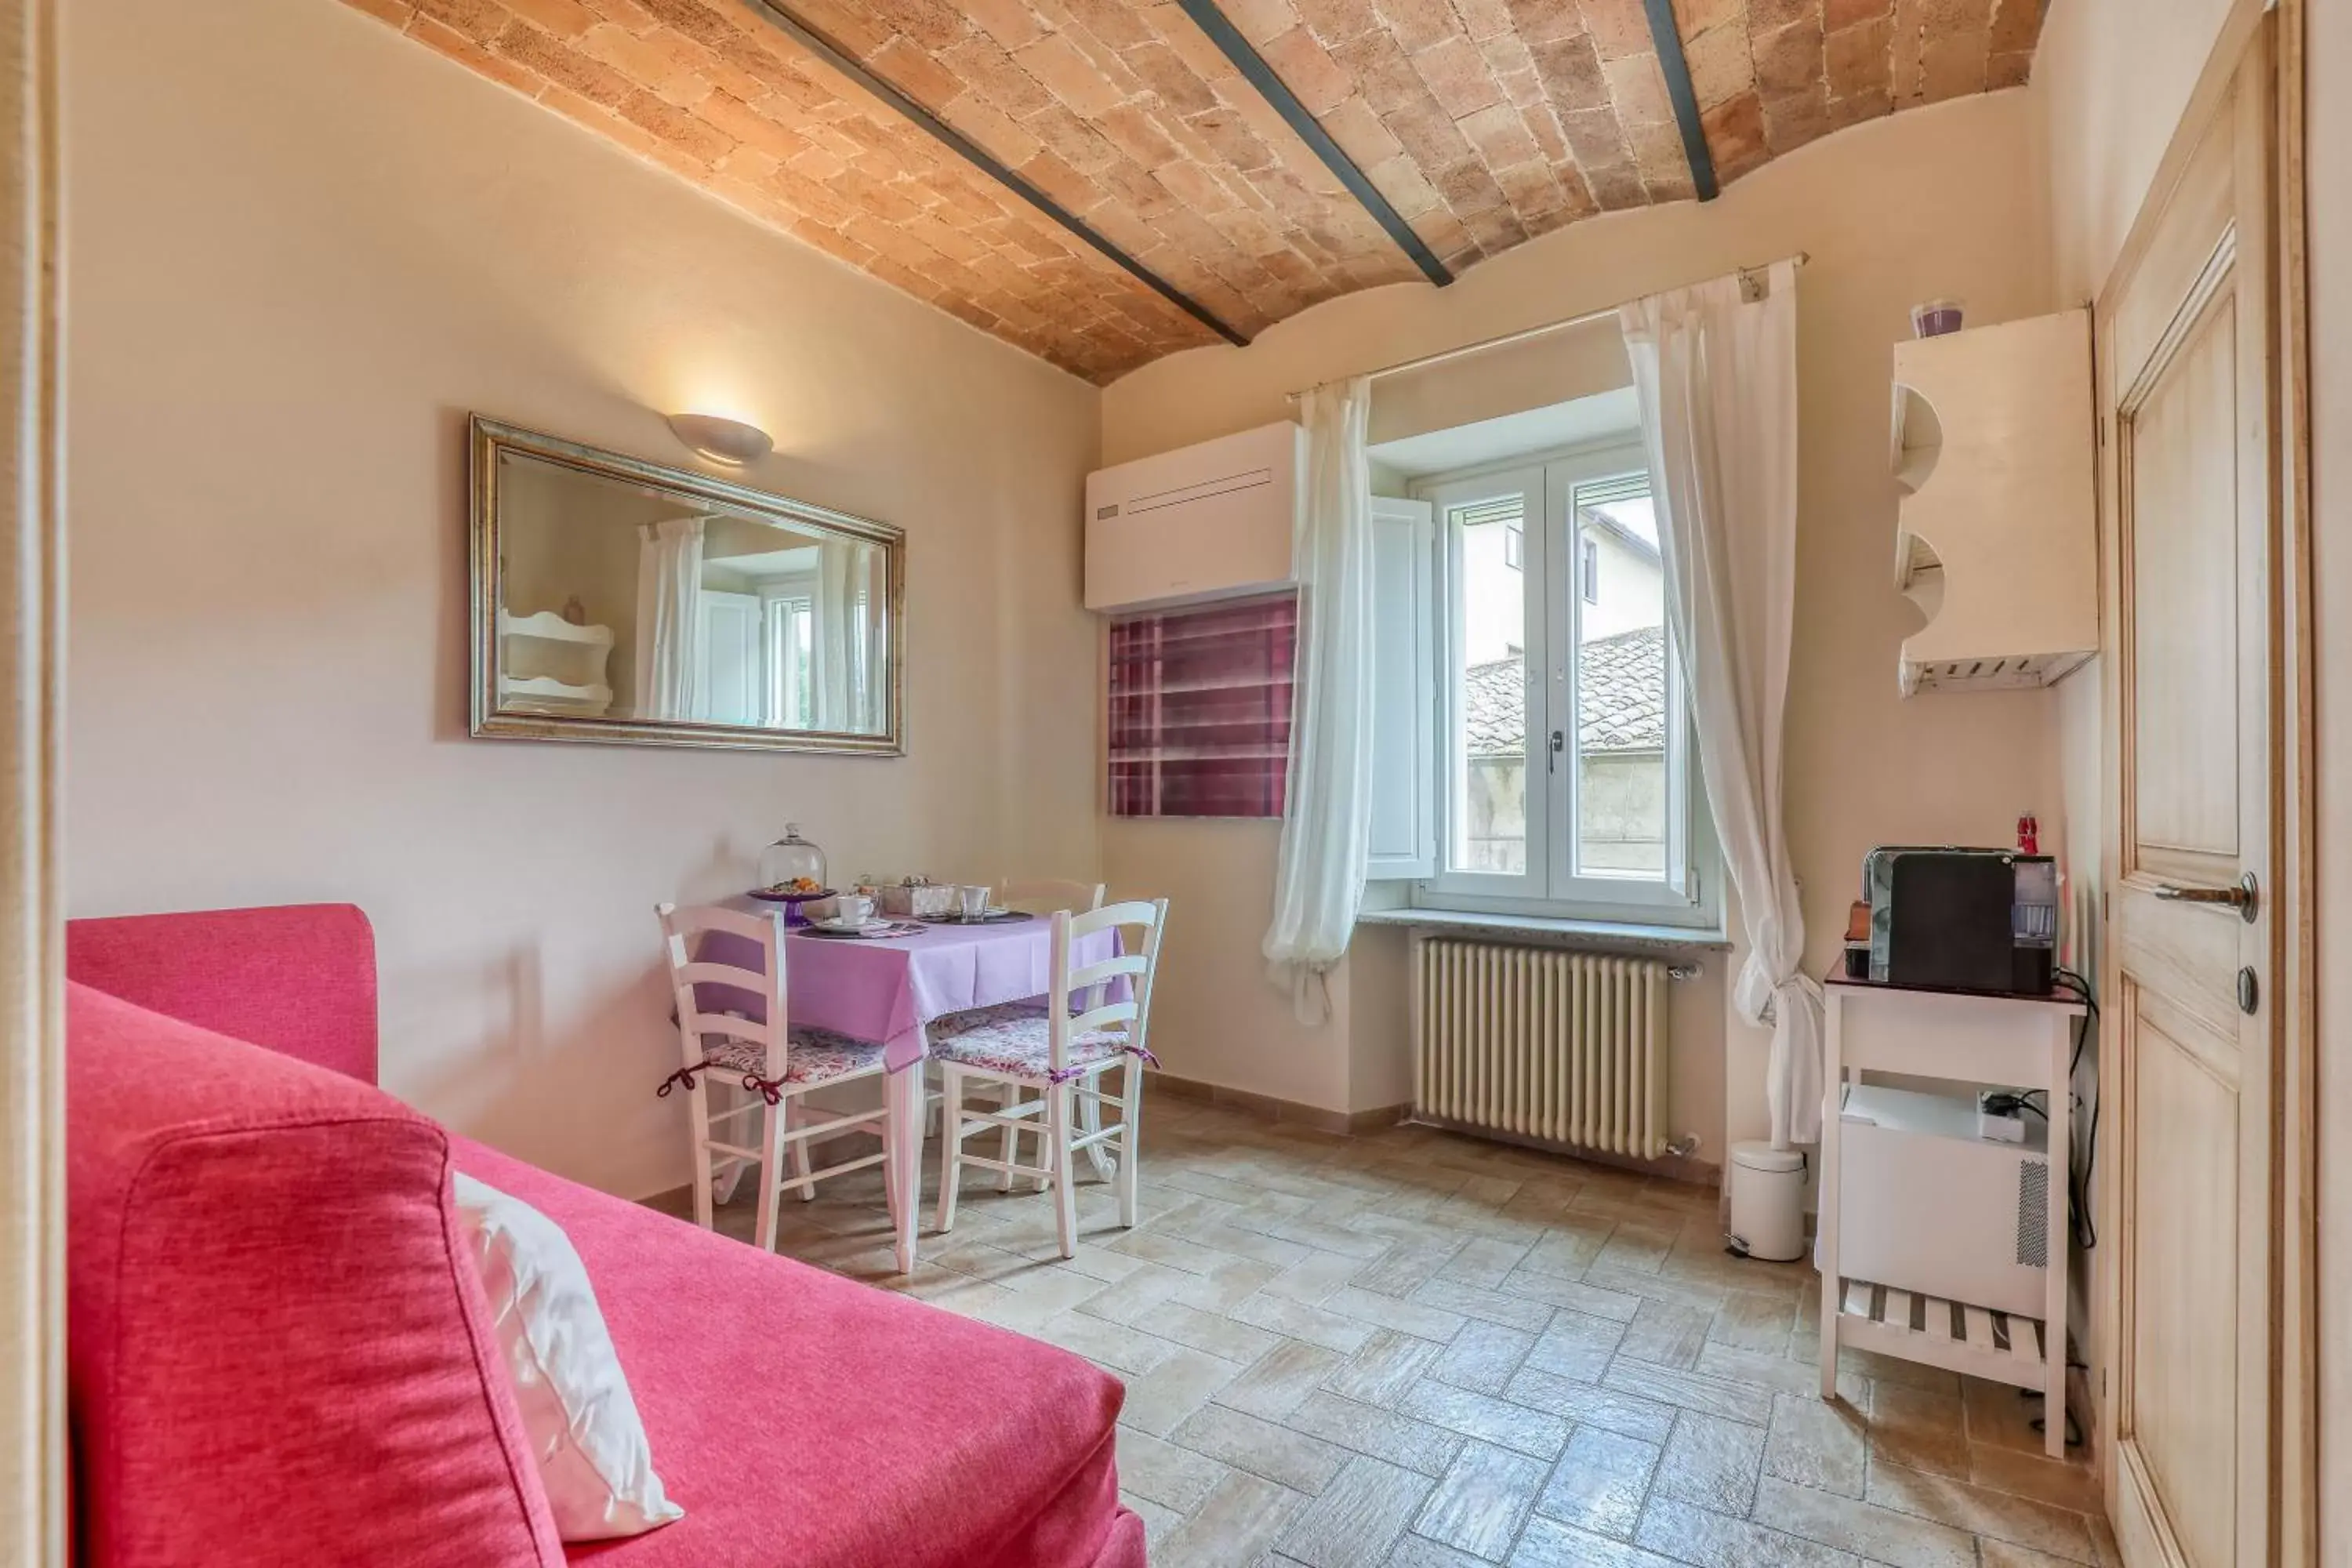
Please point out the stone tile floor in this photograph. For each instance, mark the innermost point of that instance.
(1422, 1350)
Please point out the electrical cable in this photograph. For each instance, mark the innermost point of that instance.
(2087, 1232)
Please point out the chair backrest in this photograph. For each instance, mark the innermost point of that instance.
(1135, 964)
(727, 974)
(1049, 893)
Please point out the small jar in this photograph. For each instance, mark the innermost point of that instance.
(792, 864)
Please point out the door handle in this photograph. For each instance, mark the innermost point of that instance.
(2245, 897)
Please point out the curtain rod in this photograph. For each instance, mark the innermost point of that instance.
(1525, 334)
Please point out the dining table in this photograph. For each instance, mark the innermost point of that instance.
(887, 990)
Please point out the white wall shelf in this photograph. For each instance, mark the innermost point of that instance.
(550, 665)
(546, 694)
(1996, 539)
(549, 626)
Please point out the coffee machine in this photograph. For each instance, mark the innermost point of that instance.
(1955, 919)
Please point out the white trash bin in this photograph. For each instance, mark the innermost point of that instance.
(1768, 1201)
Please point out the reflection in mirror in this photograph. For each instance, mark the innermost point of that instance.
(634, 602)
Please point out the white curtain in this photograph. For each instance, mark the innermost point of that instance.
(834, 640)
(872, 591)
(1716, 378)
(1326, 821)
(669, 618)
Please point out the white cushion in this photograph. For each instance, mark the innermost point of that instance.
(576, 1411)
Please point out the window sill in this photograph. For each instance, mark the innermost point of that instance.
(1694, 939)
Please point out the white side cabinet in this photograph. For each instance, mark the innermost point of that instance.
(1997, 538)
(2006, 1042)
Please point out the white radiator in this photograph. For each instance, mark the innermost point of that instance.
(1569, 1047)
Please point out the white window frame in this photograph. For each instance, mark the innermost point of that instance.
(782, 612)
(1689, 894)
(1448, 496)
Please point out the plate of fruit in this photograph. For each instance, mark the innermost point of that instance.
(799, 890)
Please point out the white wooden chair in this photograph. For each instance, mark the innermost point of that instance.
(716, 987)
(1059, 1057)
(1043, 895)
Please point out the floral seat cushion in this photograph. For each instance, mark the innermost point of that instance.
(816, 1056)
(1014, 1041)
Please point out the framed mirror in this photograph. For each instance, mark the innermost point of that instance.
(614, 599)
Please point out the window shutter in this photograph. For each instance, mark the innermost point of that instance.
(1405, 692)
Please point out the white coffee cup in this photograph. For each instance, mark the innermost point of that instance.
(852, 909)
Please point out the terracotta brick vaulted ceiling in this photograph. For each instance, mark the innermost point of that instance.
(1478, 123)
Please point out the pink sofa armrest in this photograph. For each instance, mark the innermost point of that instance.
(279, 1353)
(300, 978)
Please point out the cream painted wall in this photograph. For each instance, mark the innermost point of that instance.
(2110, 80)
(301, 249)
(1928, 203)
(1558, 368)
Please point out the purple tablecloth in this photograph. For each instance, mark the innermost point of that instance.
(888, 991)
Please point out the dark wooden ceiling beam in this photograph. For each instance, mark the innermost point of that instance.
(1261, 75)
(817, 43)
(1669, 40)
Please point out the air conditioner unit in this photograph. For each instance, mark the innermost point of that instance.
(1210, 521)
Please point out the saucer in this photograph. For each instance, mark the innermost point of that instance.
(852, 928)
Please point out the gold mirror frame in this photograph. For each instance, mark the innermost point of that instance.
(489, 438)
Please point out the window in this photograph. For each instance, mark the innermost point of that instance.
(1200, 710)
(1562, 731)
(789, 625)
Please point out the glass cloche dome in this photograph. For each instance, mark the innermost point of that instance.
(792, 866)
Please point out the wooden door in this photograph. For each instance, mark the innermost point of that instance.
(2187, 367)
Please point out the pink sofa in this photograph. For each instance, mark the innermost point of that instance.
(279, 1356)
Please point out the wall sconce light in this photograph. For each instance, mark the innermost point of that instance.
(729, 441)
